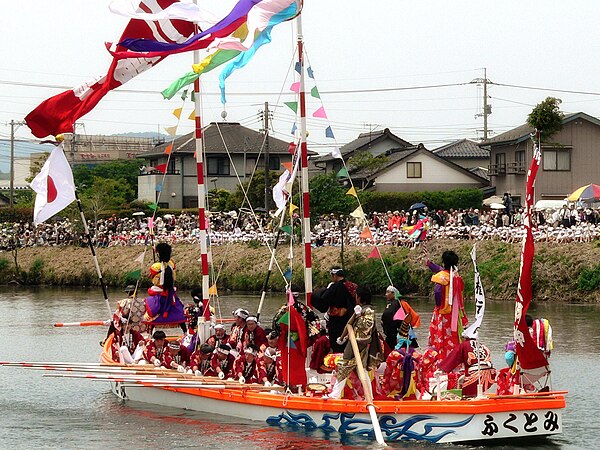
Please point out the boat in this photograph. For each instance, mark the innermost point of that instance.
(484, 418)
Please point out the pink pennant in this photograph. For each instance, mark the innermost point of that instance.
(374, 253)
(295, 87)
(320, 113)
(400, 314)
(290, 298)
(151, 222)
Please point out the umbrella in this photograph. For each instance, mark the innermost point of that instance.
(589, 193)
(139, 213)
(497, 206)
(492, 199)
(417, 206)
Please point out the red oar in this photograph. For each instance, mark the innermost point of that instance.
(89, 323)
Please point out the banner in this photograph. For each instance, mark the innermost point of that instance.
(473, 329)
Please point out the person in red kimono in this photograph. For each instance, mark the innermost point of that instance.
(127, 345)
(220, 336)
(272, 366)
(222, 362)
(237, 329)
(248, 368)
(180, 356)
(156, 351)
(321, 348)
(477, 364)
(449, 318)
(254, 334)
(200, 361)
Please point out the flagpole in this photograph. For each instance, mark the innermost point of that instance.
(271, 262)
(308, 287)
(94, 257)
(201, 193)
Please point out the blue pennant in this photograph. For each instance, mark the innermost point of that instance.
(159, 187)
(288, 274)
(311, 74)
(298, 67)
(294, 128)
(329, 133)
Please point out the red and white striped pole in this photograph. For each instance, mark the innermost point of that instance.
(308, 287)
(201, 196)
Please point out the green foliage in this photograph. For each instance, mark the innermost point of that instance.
(16, 214)
(255, 191)
(546, 117)
(4, 263)
(327, 196)
(390, 201)
(218, 199)
(589, 279)
(122, 172)
(366, 163)
(24, 198)
(35, 275)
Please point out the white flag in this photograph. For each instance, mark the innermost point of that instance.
(279, 194)
(54, 186)
(336, 153)
(473, 329)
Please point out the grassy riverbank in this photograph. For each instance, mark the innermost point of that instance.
(562, 273)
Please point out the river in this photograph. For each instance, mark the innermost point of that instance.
(39, 412)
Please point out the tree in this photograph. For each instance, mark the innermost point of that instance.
(124, 171)
(546, 117)
(367, 163)
(327, 196)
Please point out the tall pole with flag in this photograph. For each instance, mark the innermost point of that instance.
(201, 194)
(304, 171)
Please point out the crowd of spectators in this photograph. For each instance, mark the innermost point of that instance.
(567, 224)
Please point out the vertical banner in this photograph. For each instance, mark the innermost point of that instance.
(473, 329)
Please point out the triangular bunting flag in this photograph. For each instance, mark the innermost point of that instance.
(287, 166)
(193, 97)
(336, 153)
(320, 113)
(161, 168)
(329, 133)
(172, 131)
(286, 229)
(315, 92)
(358, 213)
(292, 208)
(288, 274)
(366, 234)
(184, 94)
(177, 112)
(140, 259)
(294, 128)
(192, 115)
(343, 173)
(292, 105)
(374, 253)
(298, 67)
(134, 275)
(295, 87)
(311, 74)
(212, 290)
(169, 149)
(153, 206)
(292, 148)
(352, 192)
(158, 187)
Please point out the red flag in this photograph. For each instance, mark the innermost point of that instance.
(374, 253)
(161, 168)
(292, 149)
(294, 373)
(169, 149)
(530, 357)
(58, 114)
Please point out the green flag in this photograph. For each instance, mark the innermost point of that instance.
(153, 206)
(343, 173)
(292, 105)
(315, 92)
(287, 229)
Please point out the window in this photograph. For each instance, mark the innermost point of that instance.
(413, 170)
(171, 168)
(274, 162)
(218, 165)
(520, 157)
(556, 159)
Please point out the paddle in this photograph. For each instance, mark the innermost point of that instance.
(366, 388)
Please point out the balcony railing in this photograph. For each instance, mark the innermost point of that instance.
(517, 167)
(496, 169)
(157, 172)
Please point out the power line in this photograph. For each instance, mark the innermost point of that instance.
(533, 88)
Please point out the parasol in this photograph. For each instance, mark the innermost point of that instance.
(589, 193)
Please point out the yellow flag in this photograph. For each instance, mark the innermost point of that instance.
(352, 192)
(198, 68)
(177, 112)
(171, 130)
(292, 208)
(192, 115)
(212, 290)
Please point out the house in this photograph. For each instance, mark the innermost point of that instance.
(569, 159)
(466, 153)
(231, 151)
(376, 143)
(414, 168)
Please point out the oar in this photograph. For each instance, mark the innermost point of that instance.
(366, 388)
(89, 323)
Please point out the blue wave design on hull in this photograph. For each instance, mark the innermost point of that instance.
(390, 427)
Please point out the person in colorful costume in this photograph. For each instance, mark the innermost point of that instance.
(272, 366)
(220, 336)
(163, 306)
(391, 324)
(127, 345)
(180, 355)
(248, 368)
(321, 348)
(338, 300)
(223, 361)
(449, 318)
(237, 329)
(477, 363)
(200, 361)
(190, 339)
(254, 334)
(156, 351)
(369, 346)
(541, 333)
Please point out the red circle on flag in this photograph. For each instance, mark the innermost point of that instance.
(51, 192)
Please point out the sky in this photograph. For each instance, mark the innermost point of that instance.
(364, 48)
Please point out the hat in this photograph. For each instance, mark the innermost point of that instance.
(392, 289)
(241, 313)
(130, 288)
(273, 335)
(271, 353)
(219, 326)
(224, 349)
(174, 345)
(251, 351)
(252, 319)
(337, 271)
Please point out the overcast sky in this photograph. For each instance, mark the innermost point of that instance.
(351, 45)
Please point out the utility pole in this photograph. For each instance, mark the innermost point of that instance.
(13, 124)
(267, 157)
(487, 109)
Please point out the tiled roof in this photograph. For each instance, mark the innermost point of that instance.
(392, 157)
(480, 172)
(236, 137)
(463, 148)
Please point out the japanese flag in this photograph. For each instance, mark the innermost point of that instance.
(54, 186)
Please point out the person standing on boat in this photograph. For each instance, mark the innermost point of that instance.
(223, 361)
(156, 351)
(163, 306)
(254, 334)
(391, 319)
(339, 302)
(237, 329)
(369, 346)
(248, 368)
(449, 318)
(321, 348)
